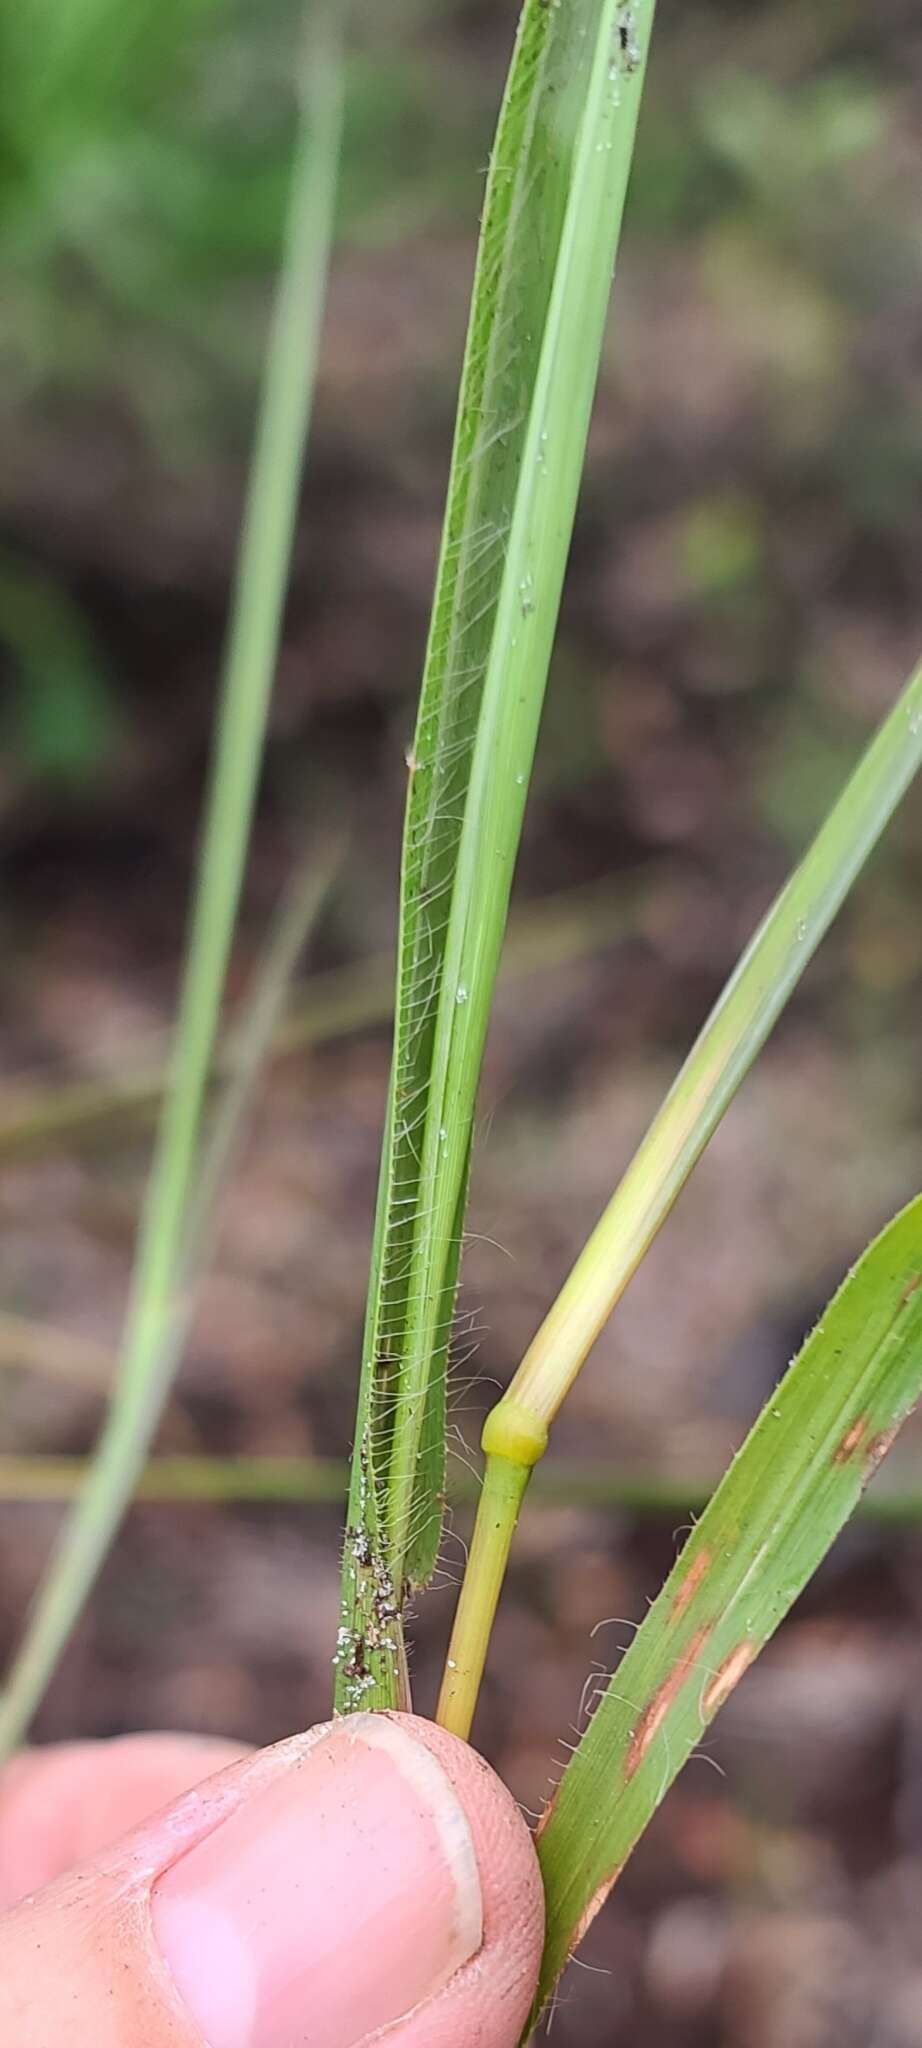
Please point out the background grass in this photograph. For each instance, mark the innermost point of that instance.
(742, 604)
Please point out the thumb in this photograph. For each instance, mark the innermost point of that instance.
(370, 1879)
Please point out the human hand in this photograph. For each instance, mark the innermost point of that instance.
(370, 1880)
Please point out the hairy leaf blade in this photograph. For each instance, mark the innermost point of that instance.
(554, 204)
(792, 1486)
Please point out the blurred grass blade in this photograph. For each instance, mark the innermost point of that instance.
(515, 1433)
(148, 1340)
(322, 1482)
(249, 1044)
(554, 202)
(30, 1346)
(795, 1482)
(568, 925)
(117, 1464)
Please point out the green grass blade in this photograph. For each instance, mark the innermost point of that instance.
(795, 1482)
(723, 1053)
(250, 665)
(553, 209)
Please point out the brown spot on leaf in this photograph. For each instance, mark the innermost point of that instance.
(596, 1902)
(726, 1677)
(851, 1440)
(655, 1712)
(912, 1288)
(690, 1583)
(877, 1449)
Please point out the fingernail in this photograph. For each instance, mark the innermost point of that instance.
(334, 1900)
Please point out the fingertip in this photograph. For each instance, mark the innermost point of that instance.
(63, 1803)
(491, 1996)
(375, 1881)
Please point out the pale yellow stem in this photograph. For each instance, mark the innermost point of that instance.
(512, 1445)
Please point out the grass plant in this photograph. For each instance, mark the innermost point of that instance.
(547, 244)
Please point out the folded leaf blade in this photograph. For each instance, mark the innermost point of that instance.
(554, 203)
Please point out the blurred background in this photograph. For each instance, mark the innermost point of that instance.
(742, 605)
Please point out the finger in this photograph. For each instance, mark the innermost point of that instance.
(369, 1880)
(60, 1805)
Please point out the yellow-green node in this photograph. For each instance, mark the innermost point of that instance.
(513, 1432)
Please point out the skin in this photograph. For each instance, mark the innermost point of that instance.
(106, 1848)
